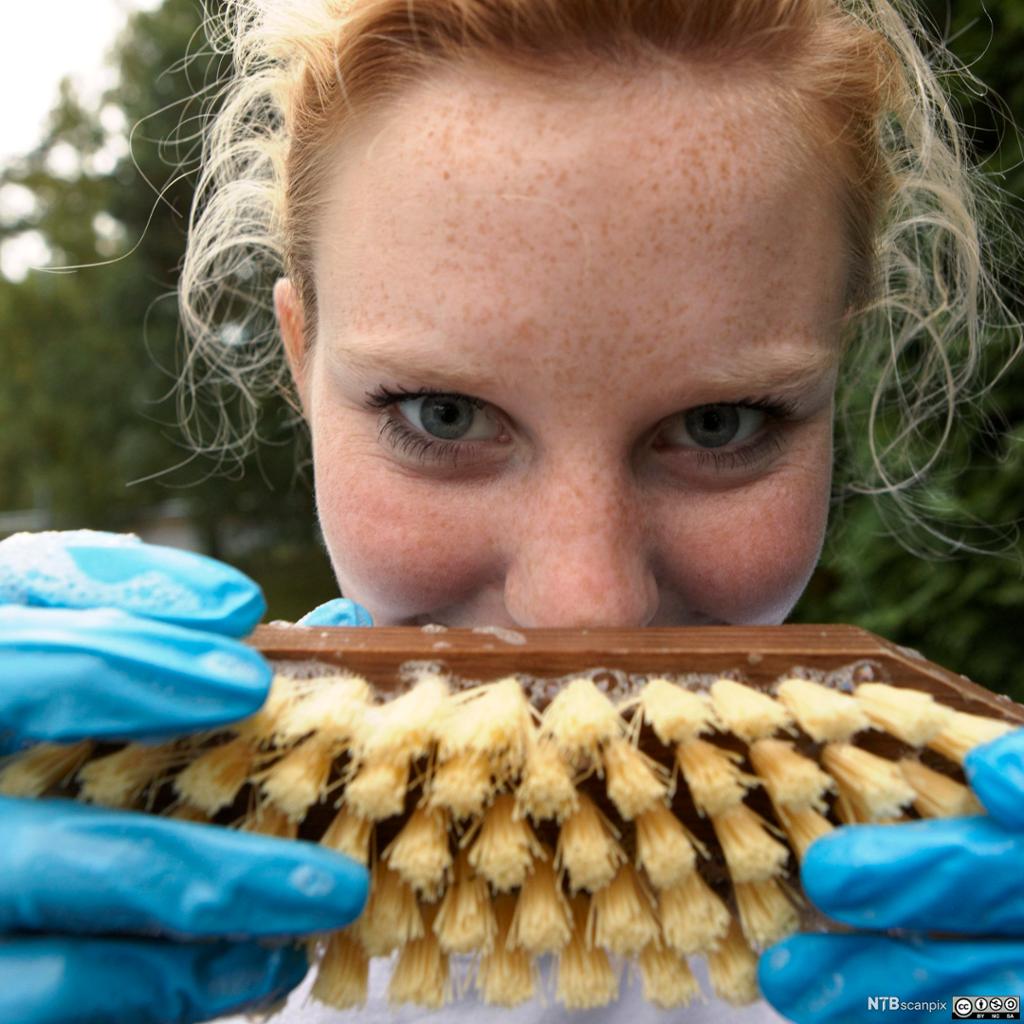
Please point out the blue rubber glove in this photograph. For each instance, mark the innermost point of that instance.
(103, 636)
(953, 875)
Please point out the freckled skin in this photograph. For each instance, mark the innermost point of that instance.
(601, 256)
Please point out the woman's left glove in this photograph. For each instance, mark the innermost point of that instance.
(955, 875)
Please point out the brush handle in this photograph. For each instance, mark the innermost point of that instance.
(762, 653)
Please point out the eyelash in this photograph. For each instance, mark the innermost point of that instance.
(425, 449)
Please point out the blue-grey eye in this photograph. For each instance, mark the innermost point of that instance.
(448, 417)
(712, 426)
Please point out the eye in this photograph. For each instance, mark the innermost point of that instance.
(448, 417)
(712, 426)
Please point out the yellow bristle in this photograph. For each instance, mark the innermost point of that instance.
(826, 715)
(791, 779)
(268, 820)
(964, 732)
(378, 789)
(732, 968)
(585, 976)
(579, 720)
(260, 728)
(635, 783)
(665, 848)
(667, 978)
(873, 787)
(421, 854)
(588, 848)
(32, 772)
(751, 854)
(421, 975)
(716, 783)
(747, 712)
(465, 921)
(333, 707)
(349, 834)
(298, 780)
(117, 780)
(802, 826)
(406, 726)
(541, 922)
(676, 715)
(213, 779)
(621, 916)
(462, 785)
(909, 715)
(506, 974)
(937, 795)
(186, 812)
(391, 917)
(344, 971)
(494, 720)
(505, 848)
(766, 913)
(693, 917)
(547, 789)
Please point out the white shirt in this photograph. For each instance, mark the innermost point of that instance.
(631, 1008)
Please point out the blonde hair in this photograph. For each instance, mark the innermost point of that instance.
(922, 221)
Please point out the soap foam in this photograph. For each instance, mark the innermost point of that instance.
(38, 569)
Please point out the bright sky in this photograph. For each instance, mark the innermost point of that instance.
(41, 42)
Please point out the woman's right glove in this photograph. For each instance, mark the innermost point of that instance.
(105, 637)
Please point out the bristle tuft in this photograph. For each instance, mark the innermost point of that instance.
(667, 979)
(505, 848)
(547, 789)
(826, 715)
(588, 848)
(118, 779)
(665, 848)
(963, 732)
(541, 923)
(586, 979)
(872, 787)
(421, 854)
(802, 826)
(349, 834)
(579, 720)
(343, 975)
(392, 917)
(465, 921)
(766, 913)
(750, 852)
(420, 975)
(622, 918)
(732, 968)
(506, 976)
(937, 795)
(635, 782)
(910, 715)
(747, 712)
(693, 917)
(716, 782)
(32, 772)
(791, 779)
(676, 715)
(377, 791)
(462, 785)
(298, 780)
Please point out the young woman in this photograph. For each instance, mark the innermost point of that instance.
(571, 293)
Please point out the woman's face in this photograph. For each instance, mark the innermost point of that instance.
(598, 286)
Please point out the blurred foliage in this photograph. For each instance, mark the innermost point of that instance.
(90, 358)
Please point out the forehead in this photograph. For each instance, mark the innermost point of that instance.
(665, 205)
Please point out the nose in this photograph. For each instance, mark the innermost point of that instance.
(578, 554)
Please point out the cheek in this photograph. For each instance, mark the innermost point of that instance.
(398, 547)
(747, 557)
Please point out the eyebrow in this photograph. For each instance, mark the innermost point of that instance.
(789, 372)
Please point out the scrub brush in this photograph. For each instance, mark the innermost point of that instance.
(558, 806)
